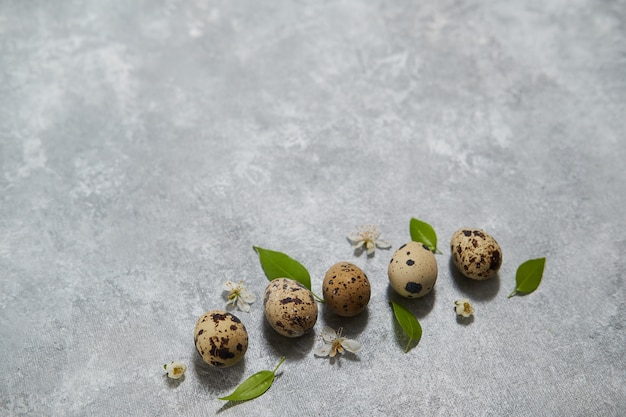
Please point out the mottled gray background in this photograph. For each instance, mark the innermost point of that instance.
(145, 146)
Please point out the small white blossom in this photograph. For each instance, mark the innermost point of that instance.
(175, 370)
(333, 343)
(239, 295)
(367, 237)
(463, 307)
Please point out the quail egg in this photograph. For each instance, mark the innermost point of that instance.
(289, 307)
(346, 289)
(413, 270)
(475, 253)
(221, 338)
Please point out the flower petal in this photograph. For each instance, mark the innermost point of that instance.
(247, 296)
(463, 307)
(328, 334)
(355, 238)
(242, 305)
(351, 345)
(383, 244)
(175, 370)
(322, 350)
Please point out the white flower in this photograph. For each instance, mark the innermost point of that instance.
(239, 295)
(463, 307)
(175, 370)
(333, 343)
(367, 237)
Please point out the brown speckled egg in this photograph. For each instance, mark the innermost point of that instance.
(346, 289)
(289, 307)
(221, 338)
(413, 270)
(475, 253)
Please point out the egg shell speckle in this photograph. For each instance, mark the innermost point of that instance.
(413, 270)
(346, 289)
(289, 307)
(220, 338)
(475, 253)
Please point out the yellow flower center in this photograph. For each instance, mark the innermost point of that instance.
(337, 348)
(235, 293)
(467, 308)
(369, 233)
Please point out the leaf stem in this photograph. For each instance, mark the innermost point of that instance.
(279, 363)
(317, 297)
(512, 294)
(406, 349)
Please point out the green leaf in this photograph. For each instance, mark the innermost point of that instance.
(254, 386)
(278, 265)
(424, 233)
(528, 276)
(409, 324)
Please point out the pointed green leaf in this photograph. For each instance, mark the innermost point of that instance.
(408, 322)
(254, 386)
(528, 276)
(278, 265)
(424, 233)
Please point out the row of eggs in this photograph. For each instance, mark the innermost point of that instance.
(291, 310)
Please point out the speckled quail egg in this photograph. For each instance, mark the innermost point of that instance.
(289, 307)
(346, 289)
(413, 270)
(475, 253)
(221, 338)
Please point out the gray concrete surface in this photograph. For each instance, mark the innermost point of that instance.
(145, 146)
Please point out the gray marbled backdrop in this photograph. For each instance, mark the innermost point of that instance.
(145, 146)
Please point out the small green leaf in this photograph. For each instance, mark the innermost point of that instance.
(424, 233)
(409, 324)
(278, 265)
(254, 386)
(528, 276)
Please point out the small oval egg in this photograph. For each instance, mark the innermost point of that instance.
(289, 307)
(346, 289)
(475, 253)
(221, 338)
(413, 270)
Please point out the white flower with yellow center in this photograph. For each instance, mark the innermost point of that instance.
(333, 343)
(175, 369)
(463, 307)
(367, 237)
(239, 295)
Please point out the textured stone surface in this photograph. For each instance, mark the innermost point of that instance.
(145, 146)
